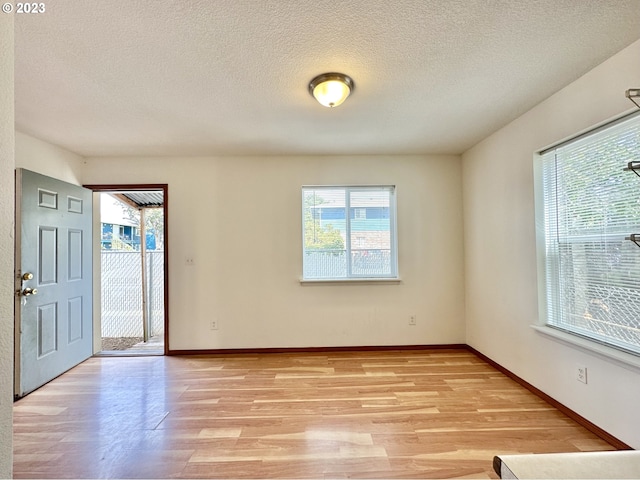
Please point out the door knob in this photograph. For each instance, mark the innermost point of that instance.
(27, 276)
(29, 291)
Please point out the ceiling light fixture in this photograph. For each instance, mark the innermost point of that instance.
(331, 89)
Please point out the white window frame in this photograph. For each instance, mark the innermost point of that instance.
(360, 213)
(547, 325)
(392, 276)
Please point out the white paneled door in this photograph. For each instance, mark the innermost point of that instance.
(53, 279)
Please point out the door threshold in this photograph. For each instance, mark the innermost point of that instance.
(128, 353)
(153, 346)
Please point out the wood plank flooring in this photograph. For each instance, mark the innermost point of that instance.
(388, 414)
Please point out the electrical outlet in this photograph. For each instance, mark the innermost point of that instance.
(214, 325)
(581, 373)
(189, 261)
(412, 319)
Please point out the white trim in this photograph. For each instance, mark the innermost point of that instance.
(390, 280)
(592, 130)
(608, 353)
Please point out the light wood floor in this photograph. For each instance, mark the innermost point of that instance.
(403, 414)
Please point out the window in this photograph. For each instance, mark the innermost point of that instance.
(590, 204)
(360, 213)
(349, 233)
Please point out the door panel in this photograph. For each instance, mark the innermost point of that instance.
(53, 278)
(75, 255)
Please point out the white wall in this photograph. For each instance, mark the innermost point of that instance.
(47, 159)
(239, 218)
(500, 264)
(6, 242)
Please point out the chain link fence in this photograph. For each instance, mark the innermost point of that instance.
(333, 263)
(610, 313)
(121, 294)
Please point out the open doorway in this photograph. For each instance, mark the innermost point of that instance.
(132, 274)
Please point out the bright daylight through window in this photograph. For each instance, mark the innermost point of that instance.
(349, 233)
(591, 209)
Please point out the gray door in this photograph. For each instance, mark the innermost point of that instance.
(53, 279)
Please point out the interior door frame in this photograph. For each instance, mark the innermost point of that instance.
(141, 187)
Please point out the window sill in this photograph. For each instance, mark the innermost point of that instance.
(350, 281)
(608, 353)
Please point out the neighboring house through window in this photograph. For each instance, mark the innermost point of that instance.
(349, 232)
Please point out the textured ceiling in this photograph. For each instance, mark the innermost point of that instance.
(201, 77)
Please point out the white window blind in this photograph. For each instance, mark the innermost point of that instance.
(349, 232)
(590, 205)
